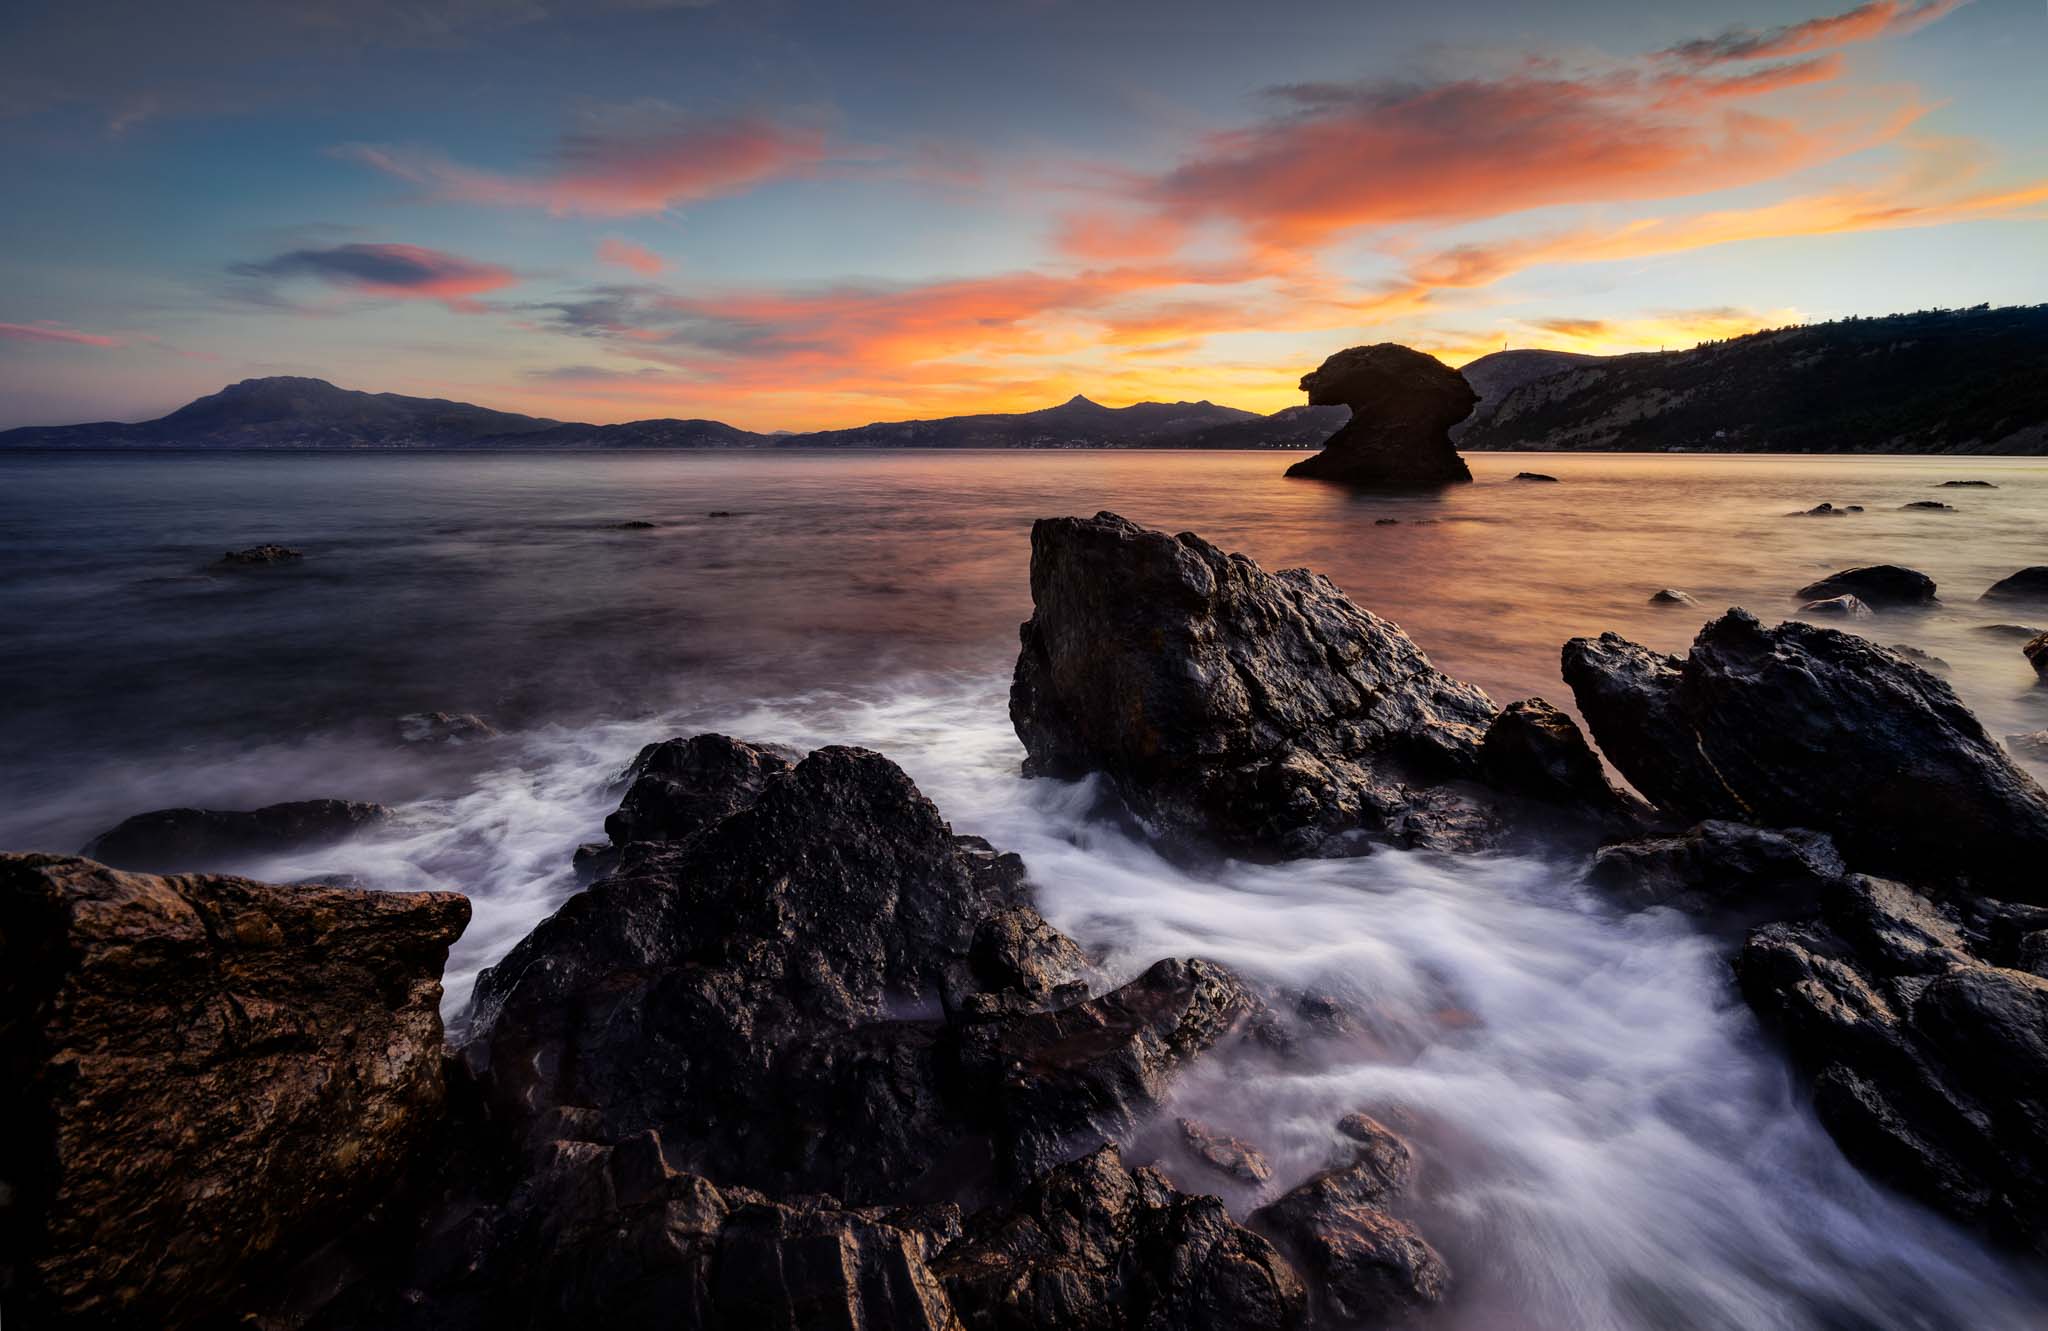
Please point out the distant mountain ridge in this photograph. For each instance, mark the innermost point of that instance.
(1937, 381)
(286, 412)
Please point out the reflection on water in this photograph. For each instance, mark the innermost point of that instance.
(1608, 1142)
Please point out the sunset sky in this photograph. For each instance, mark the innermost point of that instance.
(794, 215)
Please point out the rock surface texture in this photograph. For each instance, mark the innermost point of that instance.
(1403, 405)
(2036, 652)
(1800, 726)
(190, 840)
(1260, 711)
(204, 1078)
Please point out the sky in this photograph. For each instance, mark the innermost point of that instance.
(799, 214)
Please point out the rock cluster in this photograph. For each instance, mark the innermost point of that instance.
(1403, 405)
(206, 1079)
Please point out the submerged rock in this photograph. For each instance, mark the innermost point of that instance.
(1837, 607)
(1403, 405)
(1801, 726)
(1968, 485)
(1928, 1051)
(1672, 596)
(2029, 584)
(2033, 744)
(2036, 653)
(1534, 476)
(206, 1078)
(1718, 865)
(262, 554)
(1230, 1156)
(1881, 586)
(444, 728)
(191, 840)
(637, 524)
(1261, 711)
(1928, 505)
(1825, 510)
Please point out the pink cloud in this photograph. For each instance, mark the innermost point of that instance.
(46, 332)
(390, 271)
(626, 254)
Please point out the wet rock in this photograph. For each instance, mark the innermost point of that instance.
(2036, 653)
(190, 840)
(1800, 726)
(1928, 1054)
(2016, 632)
(1363, 1265)
(1386, 522)
(638, 524)
(1837, 607)
(1536, 751)
(1928, 505)
(1403, 405)
(1098, 1245)
(444, 728)
(2033, 745)
(720, 513)
(262, 554)
(1227, 705)
(1826, 510)
(1968, 485)
(1716, 865)
(206, 1076)
(1230, 1156)
(1534, 476)
(1672, 596)
(2029, 584)
(680, 787)
(1880, 586)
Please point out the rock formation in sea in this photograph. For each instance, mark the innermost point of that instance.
(1880, 586)
(187, 840)
(1403, 405)
(206, 1079)
(2036, 652)
(2029, 584)
(1800, 726)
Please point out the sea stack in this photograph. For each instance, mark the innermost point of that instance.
(1403, 405)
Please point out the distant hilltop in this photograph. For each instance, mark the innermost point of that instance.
(1939, 381)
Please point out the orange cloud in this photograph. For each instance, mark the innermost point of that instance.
(1108, 237)
(645, 158)
(48, 332)
(626, 254)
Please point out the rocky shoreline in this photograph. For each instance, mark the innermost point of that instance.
(800, 1055)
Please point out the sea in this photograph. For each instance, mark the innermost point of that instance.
(1608, 1139)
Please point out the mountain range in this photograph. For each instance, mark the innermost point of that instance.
(1941, 381)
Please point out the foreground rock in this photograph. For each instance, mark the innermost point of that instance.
(206, 1077)
(1366, 1266)
(1881, 586)
(1262, 711)
(191, 840)
(681, 787)
(2029, 584)
(1403, 405)
(1800, 726)
(1925, 1031)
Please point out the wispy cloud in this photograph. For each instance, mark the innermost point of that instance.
(389, 272)
(625, 254)
(49, 332)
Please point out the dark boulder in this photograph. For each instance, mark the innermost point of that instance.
(257, 555)
(1097, 1246)
(680, 787)
(1403, 405)
(2029, 584)
(1927, 1047)
(1672, 596)
(1927, 506)
(1800, 726)
(1825, 510)
(204, 1078)
(1968, 485)
(1837, 607)
(1720, 865)
(2036, 652)
(1880, 586)
(1534, 476)
(1535, 751)
(2012, 632)
(192, 840)
(1364, 1265)
(1225, 704)
(636, 524)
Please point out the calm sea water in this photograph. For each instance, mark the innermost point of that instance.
(1611, 1143)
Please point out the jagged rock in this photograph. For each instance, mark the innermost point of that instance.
(1534, 476)
(205, 1077)
(1928, 505)
(1881, 586)
(1403, 405)
(1099, 1246)
(192, 840)
(1535, 751)
(1837, 607)
(1928, 1051)
(2029, 584)
(682, 786)
(1800, 726)
(1261, 711)
(1672, 596)
(1364, 1265)
(1719, 864)
(262, 554)
(444, 728)
(1233, 1157)
(2036, 652)
(2033, 744)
